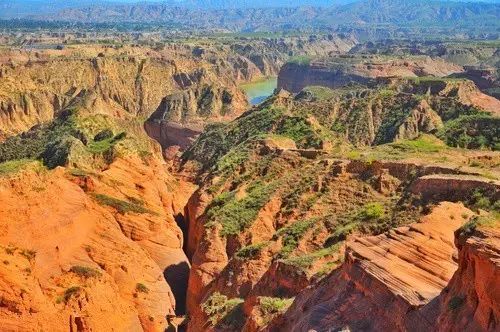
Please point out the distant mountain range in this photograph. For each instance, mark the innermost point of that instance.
(23, 8)
(261, 15)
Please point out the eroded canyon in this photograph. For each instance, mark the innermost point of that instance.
(139, 189)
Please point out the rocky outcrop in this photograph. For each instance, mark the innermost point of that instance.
(454, 187)
(393, 277)
(340, 71)
(183, 115)
(422, 119)
(470, 301)
(91, 252)
(131, 81)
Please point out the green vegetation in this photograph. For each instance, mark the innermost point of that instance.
(122, 207)
(342, 232)
(235, 214)
(70, 292)
(301, 60)
(422, 144)
(141, 288)
(33, 144)
(300, 131)
(271, 306)
(479, 131)
(305, 261)
(85, 272)
(218, 139)
(251, 251)
(491, 220)
(371, 211)
(480, 199)
(104, 145)
(320, 93)
(14, 166)
(223, 311)
(104, 134)
(292, 235)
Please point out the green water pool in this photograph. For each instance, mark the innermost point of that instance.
(258, 91)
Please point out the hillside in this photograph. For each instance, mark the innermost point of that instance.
(286, 188)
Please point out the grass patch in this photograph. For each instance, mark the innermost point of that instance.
(305, 261)
(220, 309)
(292, 235)
(424, 144)
(14, 166)
(141, 288)
(320, 93)
(251, 251)
(272, 306)
(122, 207)
(85, 272)
(234, 214)
(70, 292)
(301, 60)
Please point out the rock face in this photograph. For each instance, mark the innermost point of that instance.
(471, 300)
(340, 71)
(132, 81)
(88, 252)
(399, 278)
(182, 116)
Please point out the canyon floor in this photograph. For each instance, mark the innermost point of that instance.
(141, 189)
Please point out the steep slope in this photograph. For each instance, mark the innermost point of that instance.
(340, 71)
(280, 194)
(91, 250)
(122, 82)
(379, 275)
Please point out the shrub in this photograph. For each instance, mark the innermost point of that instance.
(300, 131)
(341, 233)
(305, 261)
(371, 211)
(122, 207)
(219, 308)
(70, 292)
(85, 272)
(292, 235)
(251, 251)
(141, 288)
(104, 134)
(274, 305)
(234, 214)
(472, 132)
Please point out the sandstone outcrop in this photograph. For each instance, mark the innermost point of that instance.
(399, 277)
(91, 251)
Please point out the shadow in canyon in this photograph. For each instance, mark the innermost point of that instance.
(177, 277)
